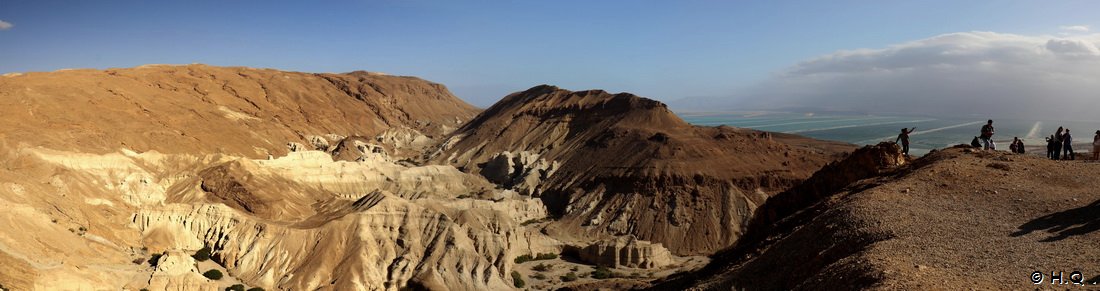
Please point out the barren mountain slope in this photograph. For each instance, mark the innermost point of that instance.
(206, 109)
(618, 164)
(955, 219)
(111, 180)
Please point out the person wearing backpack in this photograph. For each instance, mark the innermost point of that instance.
(987, 136)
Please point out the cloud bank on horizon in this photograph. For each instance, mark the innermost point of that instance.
(972, 74)
(4, 25)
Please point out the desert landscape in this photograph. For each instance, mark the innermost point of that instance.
(363, 181)
(299, 181)
(560, 145)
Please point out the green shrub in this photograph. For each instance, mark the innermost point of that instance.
(541, 267)
(213, 274)
(569, 277)
(517, 280)
(255, 289)
(602, 273)
(138, 261)
(546, 256)
(523, 259)
(539, 276)
(235, 287)
(202, 255)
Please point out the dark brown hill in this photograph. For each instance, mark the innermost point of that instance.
(207, 109)
(628, 165)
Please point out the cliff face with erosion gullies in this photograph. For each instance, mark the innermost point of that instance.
(880, 221)
(617, 164)
(124, 179)
(112, 179)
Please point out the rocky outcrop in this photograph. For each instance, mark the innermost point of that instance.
(522, 171)
(785, 216)
(626, 252)
(628, 165)
(176, 271)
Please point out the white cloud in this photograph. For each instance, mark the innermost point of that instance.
(1075, 28)
(959, 74)
(4, 25)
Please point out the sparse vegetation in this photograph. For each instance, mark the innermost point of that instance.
(602, 273)
(212, 274)
(202, 254)
(517, 280)
(255, 289)
(235, 287)
(539, 276)
(574, 268)
(138, 261)
(543, 256)
(523, 259)
(569, 277)
(541, 267)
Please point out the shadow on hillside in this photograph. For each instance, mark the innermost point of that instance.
(1065, 224)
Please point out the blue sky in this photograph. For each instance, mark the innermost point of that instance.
(484, 50)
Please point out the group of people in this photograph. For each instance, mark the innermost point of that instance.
(1059, 145)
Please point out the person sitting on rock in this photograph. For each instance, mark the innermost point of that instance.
(1015, 145)
(904, 138)
(1020, 147)
(987, 136)
(975, 143)
(1067, 146)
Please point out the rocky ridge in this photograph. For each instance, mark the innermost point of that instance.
(626, 165)
(987, 220)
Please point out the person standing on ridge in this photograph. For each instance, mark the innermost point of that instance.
(904, 138)
(1050, 147)
(1067, 146)
(987, 136)
(1058, 143)
(1096, 146)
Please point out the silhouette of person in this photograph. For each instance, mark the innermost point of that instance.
(1015, 145)
(1050, 148)
(1067, 146)
(904, 138)
(987, 136)
(1096, 146)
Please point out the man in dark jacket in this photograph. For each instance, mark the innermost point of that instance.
(1067, 146)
